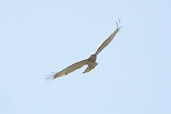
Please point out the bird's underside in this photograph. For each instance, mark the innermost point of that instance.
(91, 61)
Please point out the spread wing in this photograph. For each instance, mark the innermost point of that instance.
(71, 68)
(108, 40)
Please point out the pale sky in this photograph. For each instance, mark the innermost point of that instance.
(38, 37)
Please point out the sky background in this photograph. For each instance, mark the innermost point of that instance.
(38, 37)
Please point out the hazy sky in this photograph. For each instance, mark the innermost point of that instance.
(38, 37)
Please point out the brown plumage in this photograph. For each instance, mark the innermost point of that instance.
(91, 61)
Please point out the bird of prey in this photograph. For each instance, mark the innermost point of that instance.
(91, 61)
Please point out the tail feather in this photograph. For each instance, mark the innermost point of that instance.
(90, 67)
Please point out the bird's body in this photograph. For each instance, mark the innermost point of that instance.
(91, 61)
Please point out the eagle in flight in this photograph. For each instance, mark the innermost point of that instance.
(91, 61)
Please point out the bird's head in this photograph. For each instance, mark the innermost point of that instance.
(92, 58)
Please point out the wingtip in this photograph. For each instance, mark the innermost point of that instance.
(50, 77)
(119, 24)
